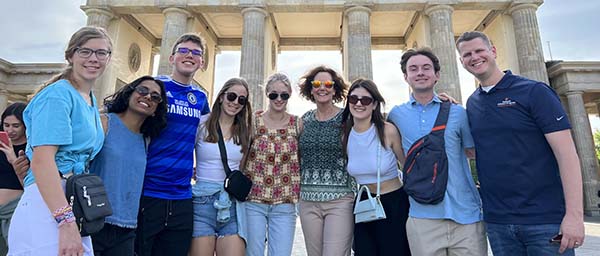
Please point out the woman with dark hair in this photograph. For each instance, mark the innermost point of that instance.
(10, 185)
(135, 114)
(218, 218)
(326, 189)
(64, 133)
(373, 145)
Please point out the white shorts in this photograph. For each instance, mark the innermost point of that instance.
(33, 230)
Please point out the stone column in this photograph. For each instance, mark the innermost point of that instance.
(3, 100)
(252, 64)
(99, 17)
(584, 141)
(442, 44)
(175, 26)
(359, 43)
(529, 45)
(598, 106)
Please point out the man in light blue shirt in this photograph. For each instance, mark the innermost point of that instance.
(454, 225)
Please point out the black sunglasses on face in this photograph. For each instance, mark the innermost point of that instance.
(365, 100)
(143, 91)
(231, 96)
(283, 95)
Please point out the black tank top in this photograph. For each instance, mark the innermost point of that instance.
(8, 177)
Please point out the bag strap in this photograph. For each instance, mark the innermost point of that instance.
(442, 117)
(378, 167)
(223, 151)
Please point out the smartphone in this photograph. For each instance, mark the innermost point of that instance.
(4, 137)
(556, 239)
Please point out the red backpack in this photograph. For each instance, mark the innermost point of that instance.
(426, 167)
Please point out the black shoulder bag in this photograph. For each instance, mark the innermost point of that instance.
(426, 166)
(86, 194)
(236, 183)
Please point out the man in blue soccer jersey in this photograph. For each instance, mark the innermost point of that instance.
(165, 220)
(529, 171)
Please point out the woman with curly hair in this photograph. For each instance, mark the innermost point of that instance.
(326, 189)
(135, 114)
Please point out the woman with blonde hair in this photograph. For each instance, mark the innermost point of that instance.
(64, 133)
(274, 168)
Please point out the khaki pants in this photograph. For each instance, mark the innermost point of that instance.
(328, 226)
(441, 237)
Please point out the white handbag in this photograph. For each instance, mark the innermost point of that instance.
(370, 209)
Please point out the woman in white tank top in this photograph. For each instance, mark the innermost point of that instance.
(365, 133)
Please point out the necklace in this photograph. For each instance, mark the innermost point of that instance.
(326, 115)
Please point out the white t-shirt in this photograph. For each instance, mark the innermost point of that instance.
(209, 166)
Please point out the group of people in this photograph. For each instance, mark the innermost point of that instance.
(151, 131)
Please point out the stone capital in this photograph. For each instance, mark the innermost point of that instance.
(176, 9)
(3, 92)
(438, 7)
(357, 8)
(255, 9)
(102, 11)
(520, 6)
(569, 93)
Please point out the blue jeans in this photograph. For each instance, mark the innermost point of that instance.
(516, 240)
(278, 221)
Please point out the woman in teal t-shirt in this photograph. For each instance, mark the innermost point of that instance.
(63, 134)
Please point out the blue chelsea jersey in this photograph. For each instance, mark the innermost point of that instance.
(171, 155)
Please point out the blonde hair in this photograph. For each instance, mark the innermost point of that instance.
(78, 39)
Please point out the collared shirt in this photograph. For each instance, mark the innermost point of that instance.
(520, 180)
(461, 202)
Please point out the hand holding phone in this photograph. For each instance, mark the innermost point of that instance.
(4, 138)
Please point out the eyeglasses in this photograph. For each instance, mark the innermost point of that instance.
(317, 84)
(185, 50)
(283, 95)
(364, 100)
(101, 54)
(231, 96)
(144, 91)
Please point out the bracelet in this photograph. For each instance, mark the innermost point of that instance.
(66, 217)
(62, 210)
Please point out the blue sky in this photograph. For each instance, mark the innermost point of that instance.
(38, 30)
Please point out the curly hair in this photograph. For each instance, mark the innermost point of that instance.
(241, 122)
(16, 109)
(340, 85)
(119, 103)
(377, 117)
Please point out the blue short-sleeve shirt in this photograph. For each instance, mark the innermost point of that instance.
(519, 176)
(59, 116)
(461, 202)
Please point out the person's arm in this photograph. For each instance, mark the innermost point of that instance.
(572, 227)
(21, 166)
(48, 181)
(395, 139)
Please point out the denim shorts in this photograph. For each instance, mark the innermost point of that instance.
(205, 218)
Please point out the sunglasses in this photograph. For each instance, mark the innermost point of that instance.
(365, 100)
(317, 84)
(231, 96)
(185, 50)
(143, 91)
(283, 95)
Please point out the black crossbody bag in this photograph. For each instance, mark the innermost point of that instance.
(86, 194)
(236, 183)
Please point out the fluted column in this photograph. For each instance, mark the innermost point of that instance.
(175, 25)
(442, 44)
(529, 45)
(584, 141)
(359, 43)
(99, 17)
(3, 100)
(252, 64)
